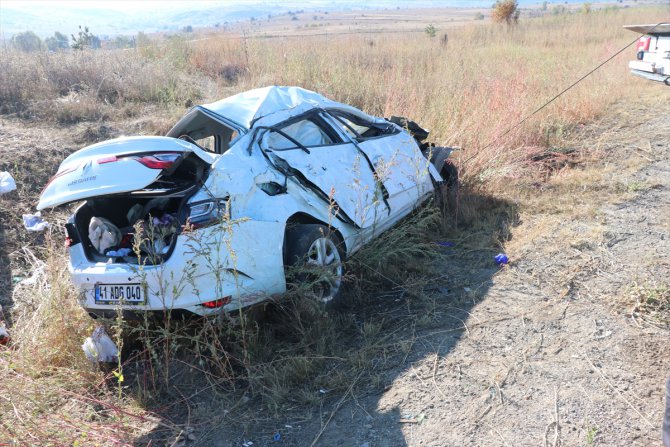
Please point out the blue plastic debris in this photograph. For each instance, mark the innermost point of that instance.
(446, 244)
(276, 437)
(119, 252)
(501, 259)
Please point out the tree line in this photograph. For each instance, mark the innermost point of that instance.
(28, 41)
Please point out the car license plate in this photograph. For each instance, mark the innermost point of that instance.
(119, 294)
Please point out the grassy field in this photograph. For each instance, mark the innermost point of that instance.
(467, 89)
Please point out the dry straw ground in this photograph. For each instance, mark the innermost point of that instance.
(467, 92)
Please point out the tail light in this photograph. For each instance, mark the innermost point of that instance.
(643, 43)
(159, 161)
(107, 160)
(209, 212)
(154, 161)
(71, 235)
(217, 303)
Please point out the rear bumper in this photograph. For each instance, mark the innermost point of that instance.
(205, 266)
(167, 288)
(652, 76)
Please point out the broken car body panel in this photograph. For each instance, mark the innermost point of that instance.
(275, 156)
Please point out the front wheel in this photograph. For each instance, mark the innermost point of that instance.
(314, 260)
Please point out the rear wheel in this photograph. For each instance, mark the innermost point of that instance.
(314, 259)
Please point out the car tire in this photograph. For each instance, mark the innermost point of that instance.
(314, 257)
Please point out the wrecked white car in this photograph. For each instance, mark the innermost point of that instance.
(211, 216)
(653, 52)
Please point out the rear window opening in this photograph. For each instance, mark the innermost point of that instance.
(199, 128)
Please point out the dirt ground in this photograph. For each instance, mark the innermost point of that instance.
(552, 349)
(550, 353)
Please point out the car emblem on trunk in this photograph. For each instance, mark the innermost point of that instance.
(85, 168)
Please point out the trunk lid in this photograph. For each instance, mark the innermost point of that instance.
(117, 166)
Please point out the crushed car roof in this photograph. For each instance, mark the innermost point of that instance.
(247, 107)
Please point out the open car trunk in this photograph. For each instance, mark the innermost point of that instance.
(135, 191)
(128, 228)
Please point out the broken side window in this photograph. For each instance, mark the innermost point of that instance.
(208, 143)
(199, 128)
(360, 129)
(305, 132)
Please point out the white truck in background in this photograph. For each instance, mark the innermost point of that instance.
(653, 52)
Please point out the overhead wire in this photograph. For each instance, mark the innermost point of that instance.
(565, 90)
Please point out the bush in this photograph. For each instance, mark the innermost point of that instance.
(26, 41)
(57, 42)
(506, 11)
(430, 30)
(85, 39)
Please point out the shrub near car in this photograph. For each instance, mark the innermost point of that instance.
(211, 216)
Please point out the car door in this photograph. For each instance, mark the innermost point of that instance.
(317, 157)
(396, 159)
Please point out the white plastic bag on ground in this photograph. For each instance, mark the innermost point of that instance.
(37, 275)
(34, 222)
(7, 182)
(99, 347)
(103, 234)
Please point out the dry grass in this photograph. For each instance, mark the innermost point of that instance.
(50, 394)
(31, 84)
(467, 92)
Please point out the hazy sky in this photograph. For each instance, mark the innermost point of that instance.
(150, 5)
(117, 5)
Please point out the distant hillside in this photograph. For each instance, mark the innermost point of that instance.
(130, 17)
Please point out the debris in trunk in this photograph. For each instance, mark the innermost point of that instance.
(121, 252)
(99, 347)
(103, 234)
(135, 213)
(7, 182)
(159, 231)
(34, 222)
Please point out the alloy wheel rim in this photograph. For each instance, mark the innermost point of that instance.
(324, 259)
